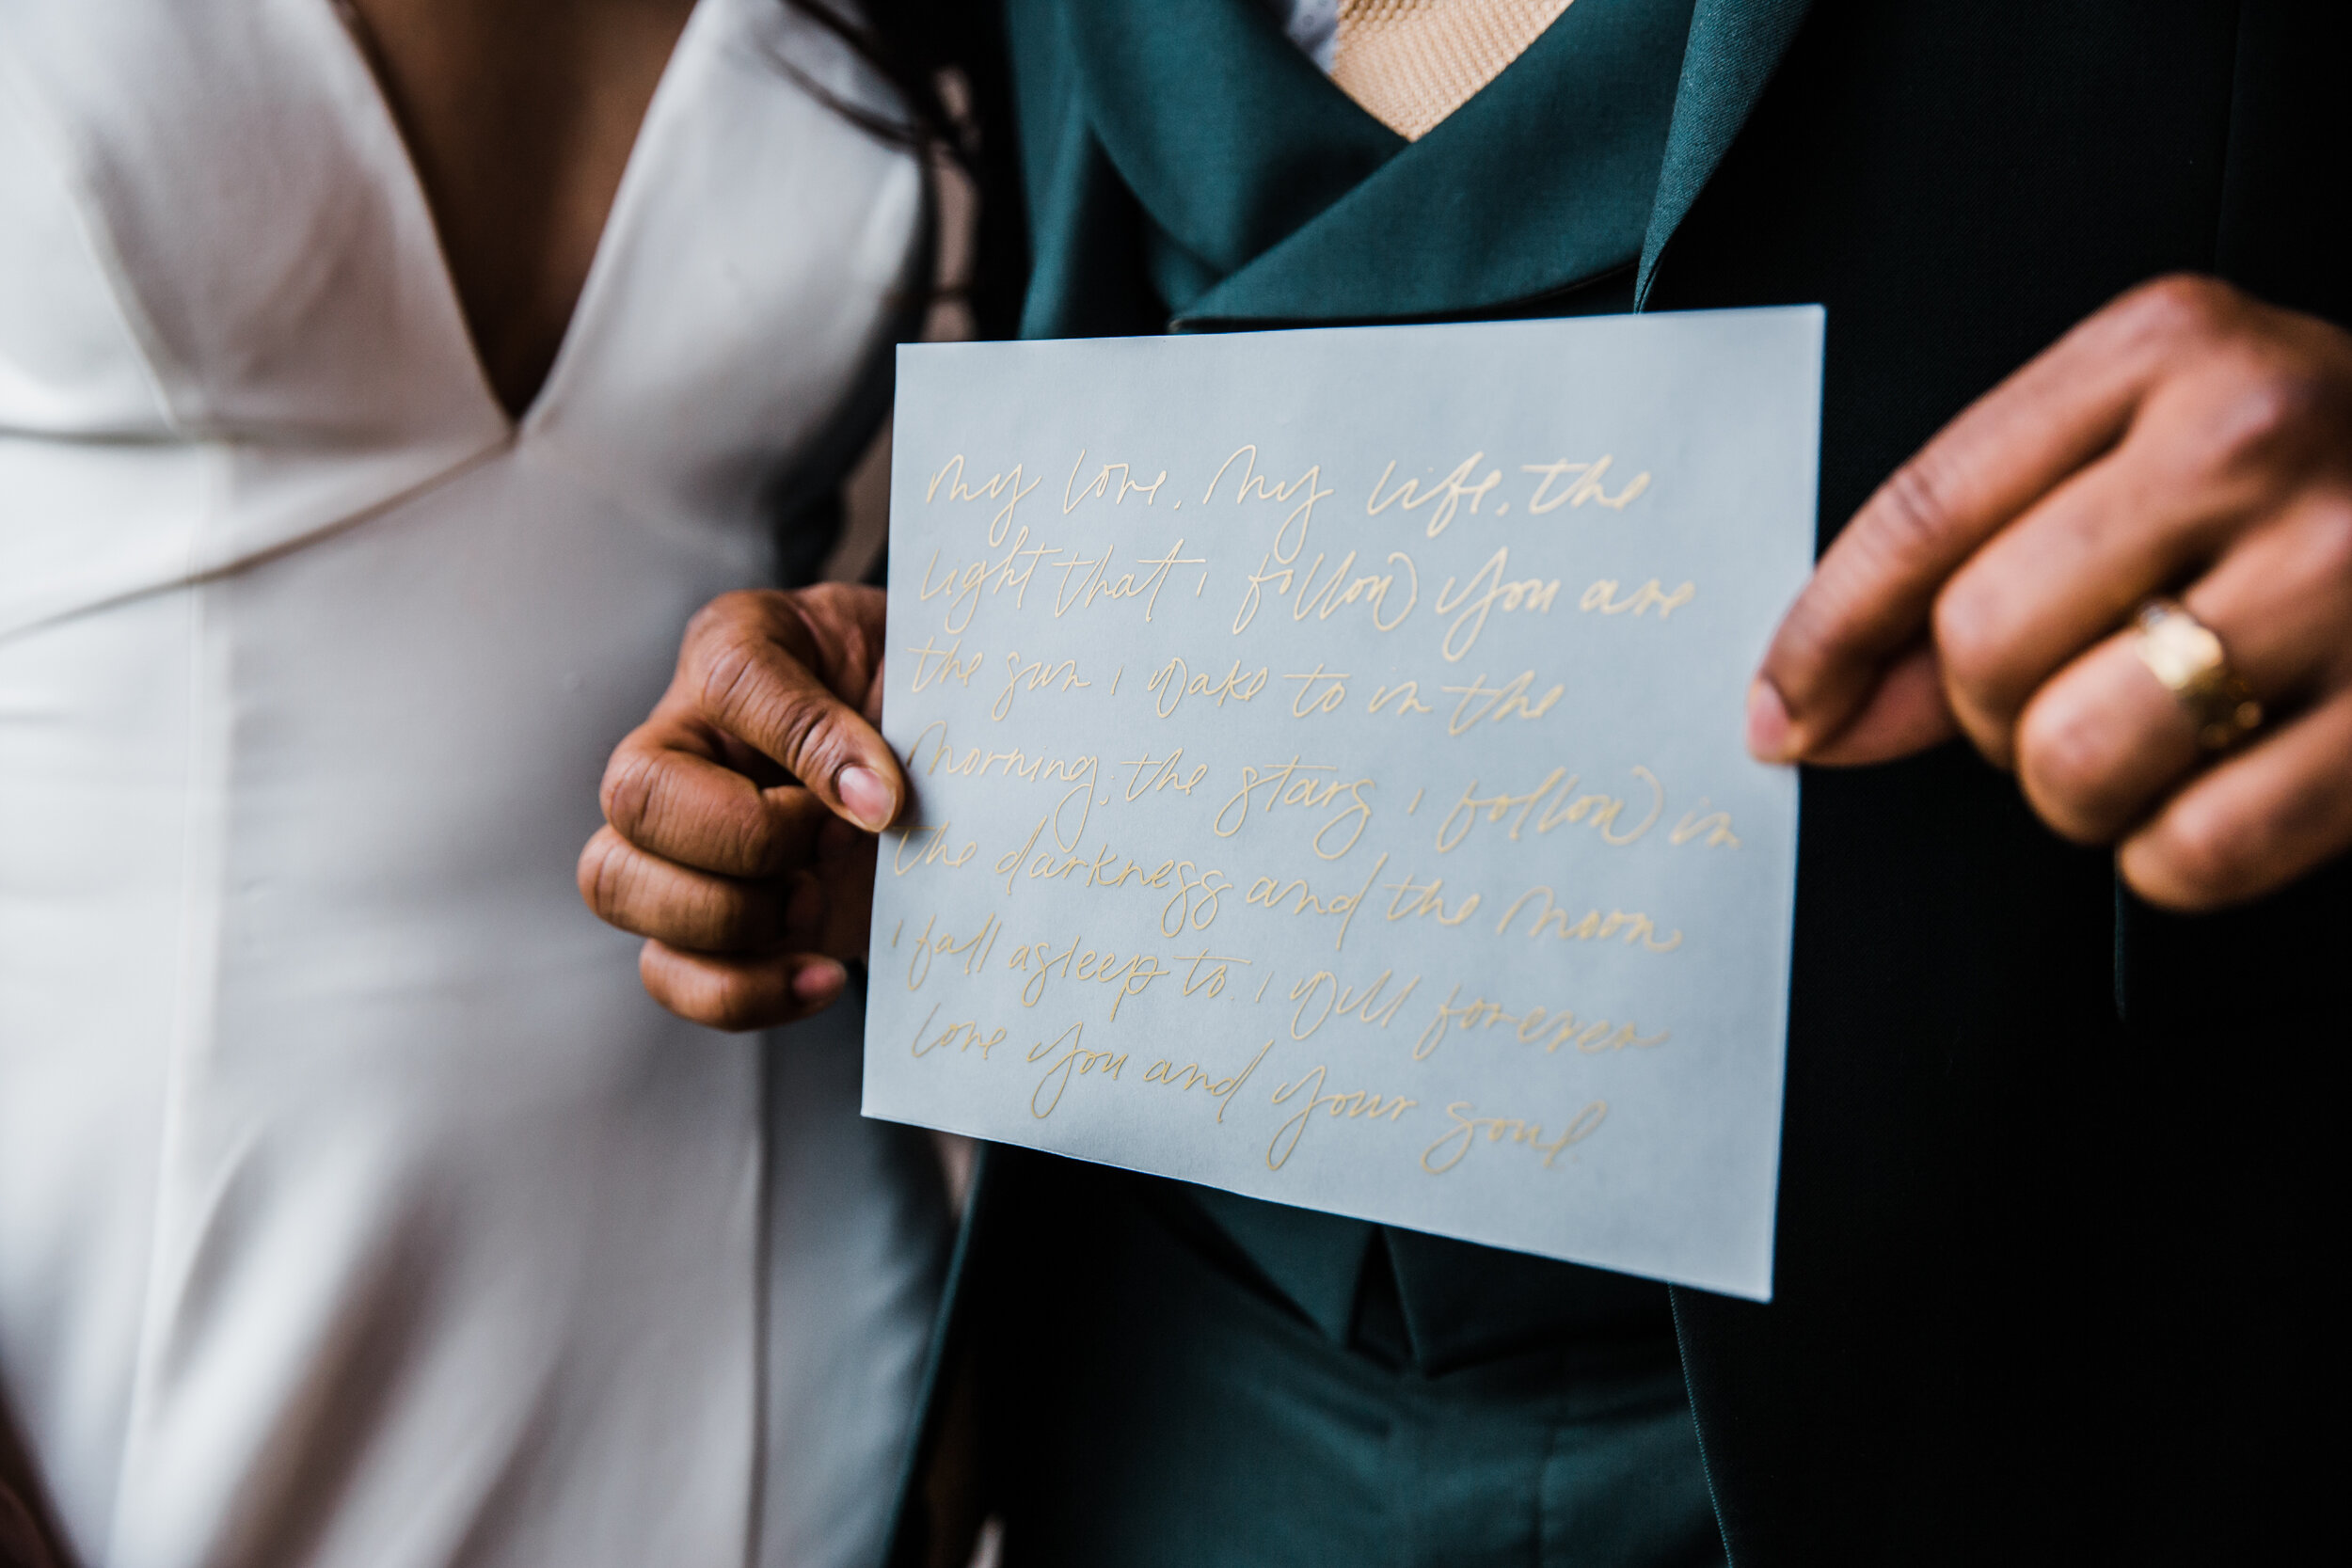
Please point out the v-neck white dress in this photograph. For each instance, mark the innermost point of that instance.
(355, 1204)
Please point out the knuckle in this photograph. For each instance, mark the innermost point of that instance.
(629, 789)
(1914, 507)
(827, 601)
(2208, 851)
(2330, 543)
(813, 744)
(728, 670)
(603, 875)
(2067, 760)
(714, 624)
(2180, 306)
(2265, 404)
(682, 987)
(1971, 633)
(729, 613)
(833, 617)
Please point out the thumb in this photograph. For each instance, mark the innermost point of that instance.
(744, 681)
(1902, 711)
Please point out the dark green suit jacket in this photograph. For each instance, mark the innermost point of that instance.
(2058, 1171)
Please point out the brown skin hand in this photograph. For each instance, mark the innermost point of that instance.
(2186, 440)
(741, 816)
(519, 116)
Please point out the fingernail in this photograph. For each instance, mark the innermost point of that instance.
(818, 980)
(869, 799)
(1768, 730)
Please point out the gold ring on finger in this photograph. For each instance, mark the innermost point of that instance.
(2183, 653)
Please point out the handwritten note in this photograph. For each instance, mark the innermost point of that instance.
(1328, 769)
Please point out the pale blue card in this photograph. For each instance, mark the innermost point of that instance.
(1327, 769)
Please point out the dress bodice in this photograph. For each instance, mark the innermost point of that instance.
(356, 1206)
(227, 244)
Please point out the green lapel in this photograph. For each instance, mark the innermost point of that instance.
(1163, 144)
(1538, 186)
(1229, 137)
(1735, 47)
(1182, 149)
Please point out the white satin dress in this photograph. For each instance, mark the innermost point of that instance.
(357, 1207)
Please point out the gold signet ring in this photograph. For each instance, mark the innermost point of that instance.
(2183, 653)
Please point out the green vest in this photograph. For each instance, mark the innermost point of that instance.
(1186, 169)
(1156, 1399)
